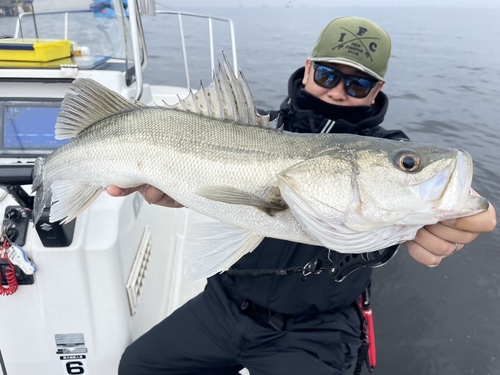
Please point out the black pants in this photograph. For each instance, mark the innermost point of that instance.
(211, 335)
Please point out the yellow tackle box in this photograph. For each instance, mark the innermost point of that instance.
(39, 50)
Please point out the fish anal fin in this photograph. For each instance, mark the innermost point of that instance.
(214, 247)
(70, 198)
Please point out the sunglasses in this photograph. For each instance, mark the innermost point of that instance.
(355, 86)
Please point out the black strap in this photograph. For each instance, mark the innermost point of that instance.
(263, 272)
(263, 316)
(362, 358)
(338, 266)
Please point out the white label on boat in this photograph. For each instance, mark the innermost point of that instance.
(74, 364)
(72, 353)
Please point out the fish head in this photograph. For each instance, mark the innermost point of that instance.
(377, 183)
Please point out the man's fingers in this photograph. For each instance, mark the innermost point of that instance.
(169, 202)
(447, 233)
(155, 196)
(422, 255)
(152, 194)
(114, 191)
(434, 243)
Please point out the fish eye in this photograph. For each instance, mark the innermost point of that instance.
(408, 162)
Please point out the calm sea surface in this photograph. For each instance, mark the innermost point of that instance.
(443, 84)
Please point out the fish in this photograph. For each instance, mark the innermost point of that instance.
(215, 154)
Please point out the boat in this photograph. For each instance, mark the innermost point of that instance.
(85, 290)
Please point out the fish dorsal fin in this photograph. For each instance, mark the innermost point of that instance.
(86, 103)
(227, 98)
(251, 110)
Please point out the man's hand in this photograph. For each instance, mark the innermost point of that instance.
(151, 194)
(435, 242)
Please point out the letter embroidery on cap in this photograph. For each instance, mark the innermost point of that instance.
(361, 31)
(356, 46)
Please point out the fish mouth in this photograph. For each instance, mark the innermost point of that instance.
(456, 199)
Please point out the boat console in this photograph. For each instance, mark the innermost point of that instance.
(84, 290)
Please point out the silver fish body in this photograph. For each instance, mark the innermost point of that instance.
(181, 153)
(349, 193)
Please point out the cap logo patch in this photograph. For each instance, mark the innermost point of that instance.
(359, 44)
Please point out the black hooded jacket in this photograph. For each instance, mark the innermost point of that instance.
(303, 113)
(290, 294)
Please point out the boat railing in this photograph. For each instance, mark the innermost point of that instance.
(139, 50)
(19, 29)
(210, 21)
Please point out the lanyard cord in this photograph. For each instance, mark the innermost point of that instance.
(10, 273)
(338, 268)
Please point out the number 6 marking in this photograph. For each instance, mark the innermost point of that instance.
(75, 368)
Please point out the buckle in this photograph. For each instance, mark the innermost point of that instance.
(276, 323)
(345, 264)
(340, 266)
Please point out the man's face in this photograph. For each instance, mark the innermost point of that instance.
(337, 94)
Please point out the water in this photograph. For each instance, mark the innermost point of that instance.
(443, 84)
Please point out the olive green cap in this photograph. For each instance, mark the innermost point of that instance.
(356, 42)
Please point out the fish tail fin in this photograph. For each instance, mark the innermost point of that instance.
(214, 247)
(70, 198)
(42, 190)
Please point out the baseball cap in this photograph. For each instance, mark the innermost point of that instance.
(356, 42)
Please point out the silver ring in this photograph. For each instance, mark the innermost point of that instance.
(456, 248)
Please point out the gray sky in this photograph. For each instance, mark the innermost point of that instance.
(330, 3)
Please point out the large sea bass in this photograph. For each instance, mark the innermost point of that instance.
(349, 193)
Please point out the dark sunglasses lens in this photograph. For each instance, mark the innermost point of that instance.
(326, 77)
(358, 87)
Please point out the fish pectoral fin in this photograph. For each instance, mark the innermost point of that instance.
(214, 247)
(230, 195)
(70, 198)
(86, 103)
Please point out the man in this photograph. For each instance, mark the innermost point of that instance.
(111, 25)
(287, 324)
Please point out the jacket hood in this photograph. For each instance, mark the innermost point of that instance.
(303, 112)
